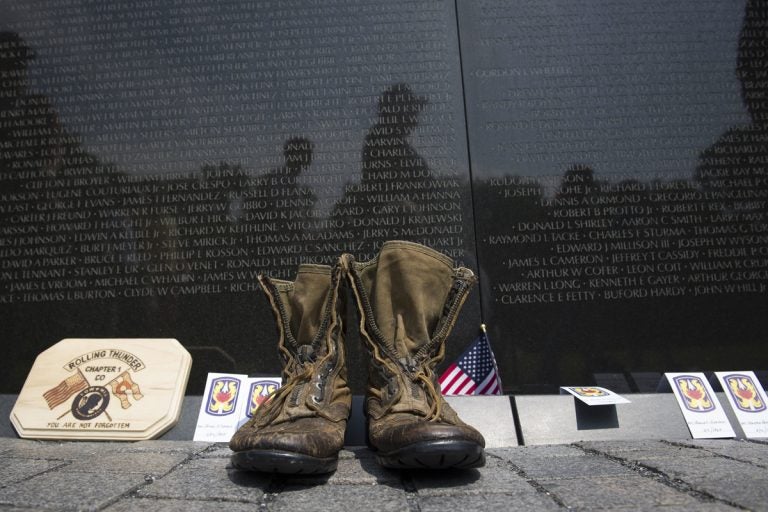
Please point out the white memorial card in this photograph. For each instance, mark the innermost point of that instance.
(594, 395)
(229, 401)
(258, 390)
(748, 400)
(701, 408)
(217, 420)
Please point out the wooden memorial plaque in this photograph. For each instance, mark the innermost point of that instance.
(103, 389)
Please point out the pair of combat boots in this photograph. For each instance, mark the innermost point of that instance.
(408, 298)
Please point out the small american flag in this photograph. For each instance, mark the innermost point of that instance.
(474, 372)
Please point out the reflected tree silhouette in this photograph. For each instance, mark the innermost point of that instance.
(685, 233)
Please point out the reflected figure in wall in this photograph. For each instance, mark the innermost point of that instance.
(33, 138)
(393, 175)
(283, 207)
(386, 146)
(33, 121)
(285, 192)
(739, 159)
(227, 179)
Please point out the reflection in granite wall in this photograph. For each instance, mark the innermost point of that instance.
(636, 239)
(154, 158)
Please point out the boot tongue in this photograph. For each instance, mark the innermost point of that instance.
(307, 301)
(411, 289)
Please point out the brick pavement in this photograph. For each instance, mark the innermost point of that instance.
(193, 476)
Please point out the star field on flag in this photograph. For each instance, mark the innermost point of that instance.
(474, 372)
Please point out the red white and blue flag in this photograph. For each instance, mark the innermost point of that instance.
(474, 372)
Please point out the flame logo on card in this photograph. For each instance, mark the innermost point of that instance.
(744, 392)
(222, 396)
(589, 392)
(261, 391)
(695, 395)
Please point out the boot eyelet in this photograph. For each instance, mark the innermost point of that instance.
(316, 400)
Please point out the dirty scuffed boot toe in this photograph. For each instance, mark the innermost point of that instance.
(300, 429)
(409, 297)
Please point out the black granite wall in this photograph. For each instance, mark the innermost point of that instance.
(602, 167)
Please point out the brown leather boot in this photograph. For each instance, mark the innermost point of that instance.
(409, 297)
(300, 429)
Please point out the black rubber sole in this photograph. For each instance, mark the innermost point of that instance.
(286, 463)
(445, 454)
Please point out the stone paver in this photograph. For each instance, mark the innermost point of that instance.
(155, 464)
(363, 470)
(16, 470)
(537, 451)
(341, 498)
(725, 479)
(489, 503)
(209, 478)
(608, 493)
(217, 450)
(495, 478)
(635, 451)
(80, 449)
(579, 465)
(65, 490)
(175, 505)
(650, 475)
(752, 452)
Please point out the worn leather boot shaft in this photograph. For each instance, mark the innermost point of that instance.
(307, 416)
(409, 298)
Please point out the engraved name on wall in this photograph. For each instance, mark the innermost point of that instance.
(179, 149)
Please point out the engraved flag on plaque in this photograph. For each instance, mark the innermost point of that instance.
(56, 396)
(122, 385)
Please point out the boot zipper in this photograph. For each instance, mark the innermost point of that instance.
(326, 315)
(458, 295)
(389, 348)
(329, 366)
